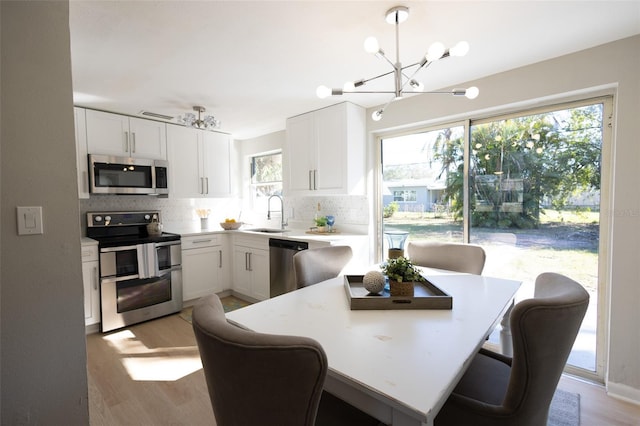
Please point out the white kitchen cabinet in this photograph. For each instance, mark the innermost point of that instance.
(91, 282)
(199, 162)
(204, 266)
(81, 152)
(123, 136)
(251, 267)
(216, 159)
(325, 152)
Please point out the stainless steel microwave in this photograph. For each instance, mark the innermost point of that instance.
(125, 175)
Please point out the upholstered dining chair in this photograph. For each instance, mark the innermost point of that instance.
(254, 378)
(468, 258)
(265, 379)
(315, 265)
(498, 390)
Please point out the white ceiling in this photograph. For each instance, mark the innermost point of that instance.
(252, 64)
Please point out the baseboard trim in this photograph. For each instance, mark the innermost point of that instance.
(623, 392)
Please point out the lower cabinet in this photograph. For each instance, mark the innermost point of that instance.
(203, 266)
(251, 267)
(91, 283)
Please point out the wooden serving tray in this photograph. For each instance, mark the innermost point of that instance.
(425, 296)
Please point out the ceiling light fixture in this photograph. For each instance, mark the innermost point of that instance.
(208, 122)
(396, 16)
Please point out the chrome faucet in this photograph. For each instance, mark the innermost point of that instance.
(283, 222)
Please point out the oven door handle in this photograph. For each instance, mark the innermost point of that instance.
(119, 248)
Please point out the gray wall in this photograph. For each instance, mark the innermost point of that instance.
(43, 347)
(609, 69)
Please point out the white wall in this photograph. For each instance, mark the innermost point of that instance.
(614, 69)
(43, 350)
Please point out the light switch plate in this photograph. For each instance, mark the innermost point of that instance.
(29, 220)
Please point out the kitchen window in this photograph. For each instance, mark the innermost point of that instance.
(266, 177)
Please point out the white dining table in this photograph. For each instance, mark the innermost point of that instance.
(397, 365)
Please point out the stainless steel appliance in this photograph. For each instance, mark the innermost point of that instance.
(140, 274)
(281, 273)
(125, 175)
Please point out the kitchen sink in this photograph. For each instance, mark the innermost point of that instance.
(267, 230)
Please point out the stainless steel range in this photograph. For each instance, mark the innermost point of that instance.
(140, 274)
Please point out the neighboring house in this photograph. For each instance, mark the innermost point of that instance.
(413, 195)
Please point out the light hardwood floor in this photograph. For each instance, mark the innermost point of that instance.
(150, 374)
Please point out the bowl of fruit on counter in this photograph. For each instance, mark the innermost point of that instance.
(230, 224)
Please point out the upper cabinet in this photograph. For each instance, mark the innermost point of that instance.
(123, 136)
(325, 151)
(199, 162)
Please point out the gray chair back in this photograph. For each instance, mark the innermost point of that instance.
(255, 378)
(467, 258)
(502, 391)
(543, 332)
(315, 265)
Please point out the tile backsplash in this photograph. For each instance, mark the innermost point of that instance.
(351, 212)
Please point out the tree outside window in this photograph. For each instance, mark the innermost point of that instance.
(266, 177)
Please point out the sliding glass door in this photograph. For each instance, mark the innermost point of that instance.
(418, 170)
(530, 194)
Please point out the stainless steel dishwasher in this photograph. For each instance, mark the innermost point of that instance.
(282, 276)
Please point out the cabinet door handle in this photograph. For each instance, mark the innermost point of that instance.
(310, 179)
(247, 261)
(95, 277)
(133, 142)
(202, 185)
(207, 180)
(126, 142)
(201, 241)
(315, 179)
(220, 259)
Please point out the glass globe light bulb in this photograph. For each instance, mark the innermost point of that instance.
(323, 92)
(371, 45)
(435, 52)
(472, 92)
(460, 49)
(349, 86)
(376, 115)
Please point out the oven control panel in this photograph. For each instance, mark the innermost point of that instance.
(96, 219)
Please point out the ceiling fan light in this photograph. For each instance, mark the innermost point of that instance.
(208, 122)
(472, 92)
(460, 49)
(435, 52)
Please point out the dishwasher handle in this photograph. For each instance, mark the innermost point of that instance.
(288, 244)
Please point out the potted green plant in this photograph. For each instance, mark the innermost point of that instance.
(321, 223)
(402, 276)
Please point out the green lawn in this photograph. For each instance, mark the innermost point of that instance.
(566, 242)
